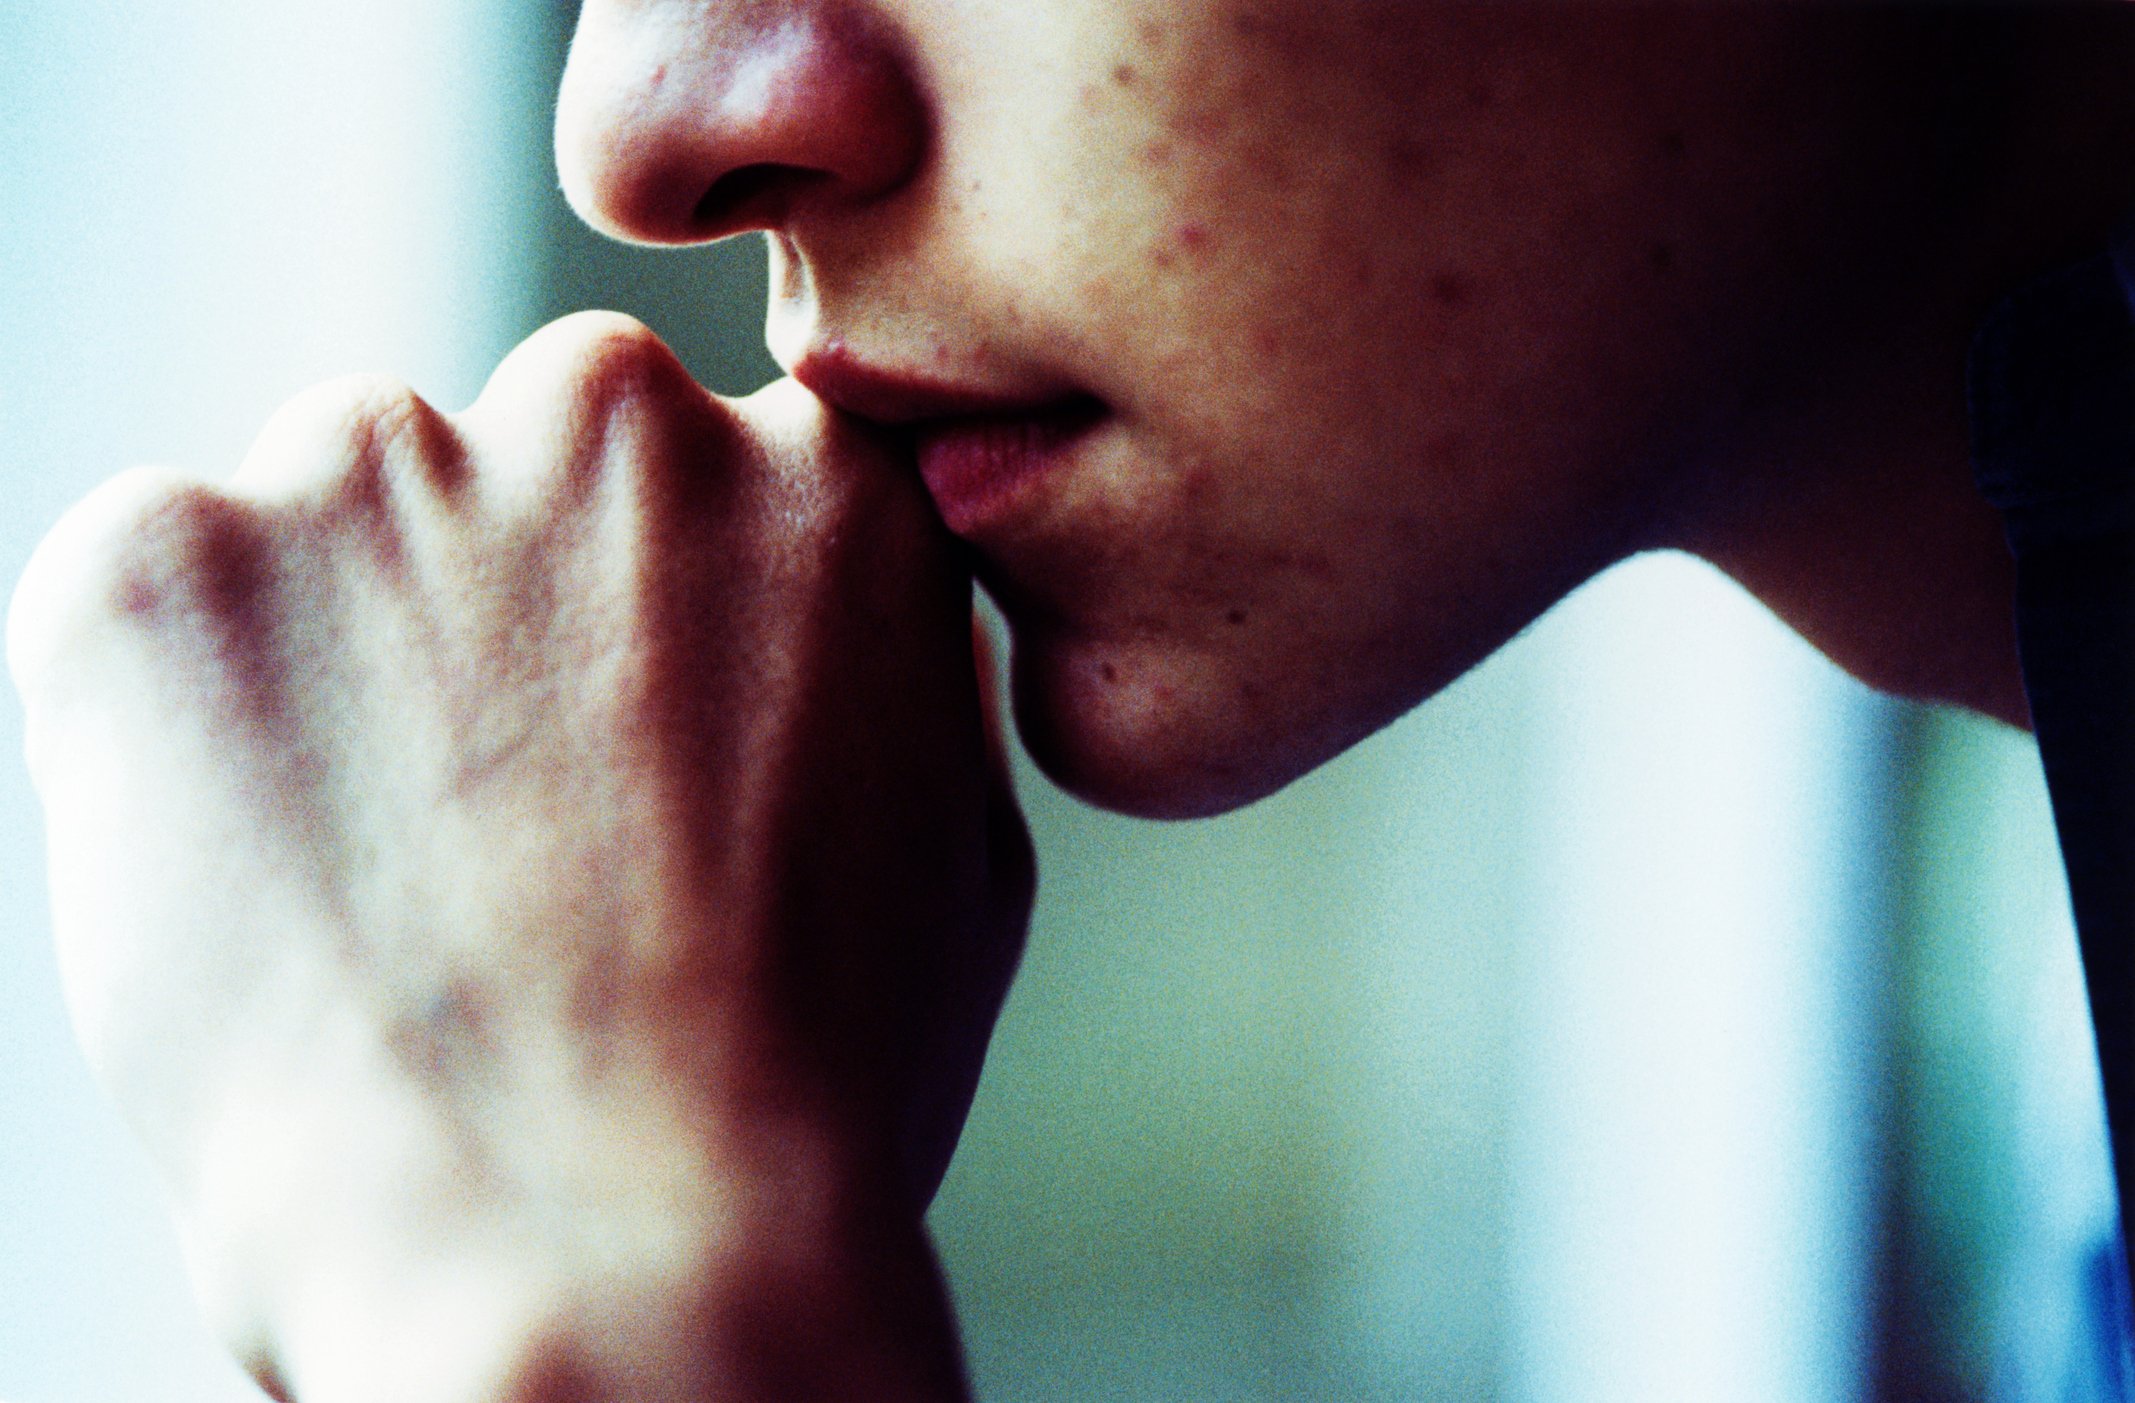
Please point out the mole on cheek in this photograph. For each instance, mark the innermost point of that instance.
(1452, 289)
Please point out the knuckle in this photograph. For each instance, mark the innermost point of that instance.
(347, 439)
(144, 549)
(604, 351)
(588, 361)
(591, 396)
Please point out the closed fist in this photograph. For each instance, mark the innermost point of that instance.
(537, 879)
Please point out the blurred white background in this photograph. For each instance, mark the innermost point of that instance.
(1654, 1016)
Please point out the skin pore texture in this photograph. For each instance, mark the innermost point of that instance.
(1406, 317)
(537, 878)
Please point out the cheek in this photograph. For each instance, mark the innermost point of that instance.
(1395, 376)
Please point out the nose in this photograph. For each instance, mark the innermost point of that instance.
(682, 121)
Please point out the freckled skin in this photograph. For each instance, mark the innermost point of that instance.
(605, 763)
(1303, 245)
(1542, 276)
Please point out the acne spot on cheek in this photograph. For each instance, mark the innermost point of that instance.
(1265, 341)
(1187, 240)
(1158, 153)
(1235, 618)
(1108, 672)
(1124, 75)
(1661, 258)
(1152, 32)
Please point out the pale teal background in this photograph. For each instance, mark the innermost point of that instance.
(1654, 1016)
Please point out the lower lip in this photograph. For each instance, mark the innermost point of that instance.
(976, 469)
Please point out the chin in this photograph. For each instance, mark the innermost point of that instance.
(1141, 733)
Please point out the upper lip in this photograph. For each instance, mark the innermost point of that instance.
(838, 376)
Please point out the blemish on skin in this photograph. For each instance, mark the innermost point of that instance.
(1152, 32)
(1158, 153)
(1108, 672)
(1265, 341)
(1124, 75)
(1661, 257)
(1451, 289)
(1235, 617)
(1674, 146)
(1191, 237)
(1163, 258)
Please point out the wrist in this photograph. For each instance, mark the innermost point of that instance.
(606, 1249)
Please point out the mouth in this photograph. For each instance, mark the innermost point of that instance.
(979, 451)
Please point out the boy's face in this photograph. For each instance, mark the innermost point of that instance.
(1330, 341)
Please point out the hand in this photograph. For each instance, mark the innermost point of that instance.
(537, 881)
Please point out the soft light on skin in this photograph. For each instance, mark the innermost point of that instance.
(1409, 317)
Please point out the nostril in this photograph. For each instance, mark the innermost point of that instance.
(751, 197)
